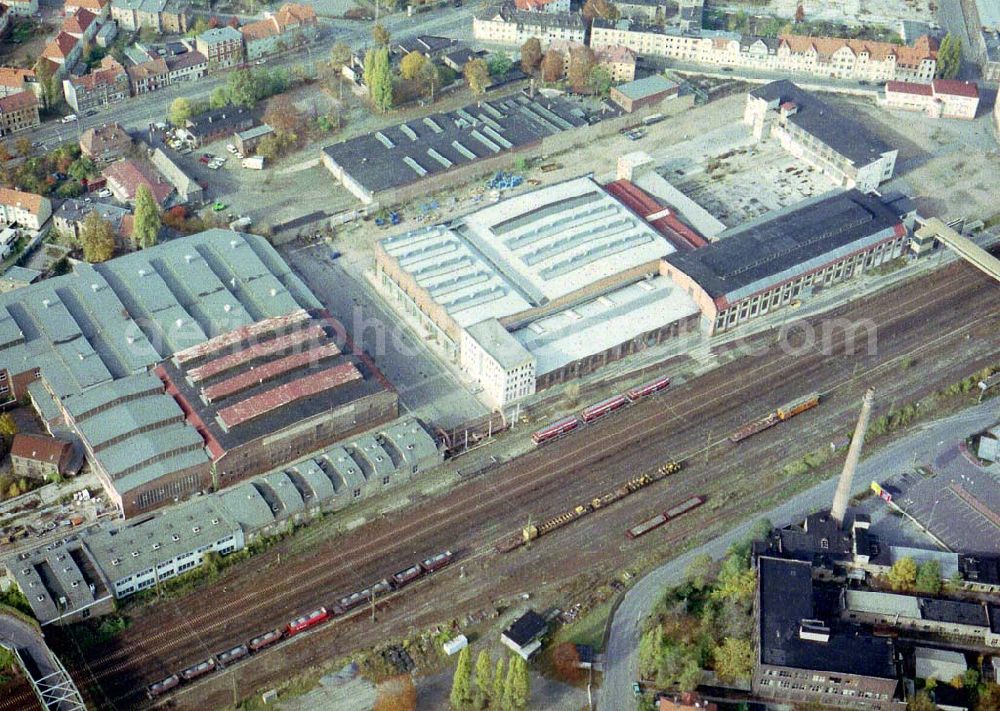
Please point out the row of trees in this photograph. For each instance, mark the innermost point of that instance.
(907, 576)
(490, 686)
(949, 57)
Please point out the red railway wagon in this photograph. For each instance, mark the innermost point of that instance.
(436, 562)
(404, 577)
(264, 640)
(641, 391)
(162, 687)
(300, 624)
(604, 407)
(661, 518)
(556, 429)
(199, 669)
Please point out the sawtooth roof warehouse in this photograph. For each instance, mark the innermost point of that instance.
(563, 280)
(153, 361)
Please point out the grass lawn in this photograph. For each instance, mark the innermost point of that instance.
(588, 629)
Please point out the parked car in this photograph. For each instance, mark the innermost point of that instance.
(205, 157)
(219, 206)
(91, 112)
(69, 118)
(103, 193)
(231, 148)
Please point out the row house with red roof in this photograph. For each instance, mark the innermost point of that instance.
(832, 57)
(942, 98)
(104, 86)
(291, 25)
(18, 112)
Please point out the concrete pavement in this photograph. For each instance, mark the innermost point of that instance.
(928, 443)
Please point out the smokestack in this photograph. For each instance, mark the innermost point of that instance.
(853, 456)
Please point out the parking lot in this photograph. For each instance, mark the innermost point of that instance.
(737, 180)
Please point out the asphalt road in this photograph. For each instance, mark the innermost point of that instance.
(927, 444)
(138, 112)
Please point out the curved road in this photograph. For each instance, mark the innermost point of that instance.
(929, 442)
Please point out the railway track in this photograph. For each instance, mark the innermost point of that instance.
(532, 473)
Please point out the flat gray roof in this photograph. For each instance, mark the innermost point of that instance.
(131, 547)
(647, 86)
(499, 344)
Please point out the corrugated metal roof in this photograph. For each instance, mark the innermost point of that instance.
(883, 603)
(257, 350)
(282, 395)
(257, 376)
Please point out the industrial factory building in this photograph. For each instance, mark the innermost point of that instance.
(399, 162)
(81, 576)
(815, 132)
(538, 289)
(153, 362)
(767, 263)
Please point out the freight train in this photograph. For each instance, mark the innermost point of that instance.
(785, 412)
(661, 518)
(531, 532)
(596, 411)
(301, 624)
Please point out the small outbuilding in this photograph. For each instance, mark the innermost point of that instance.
(647, 91)
(40, 457)
(247, 141)
(524, 636)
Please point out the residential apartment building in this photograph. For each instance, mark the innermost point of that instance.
(619, 61)
(160, 15)
(187, 66)
(290, 26)
(818, 56)
(100, 8)
(550, 6)
(125, 177)
(24, 8)
(14, 80)
(40, 457)
(82, 25)
(69, 217)
(105, 144)
(104, 86)
(505, 24)
(498, 362)
(222, 47)
(26, 210)
(812, 130)
(18, 112)
(148, 76)
(63, 51)
(942, 98)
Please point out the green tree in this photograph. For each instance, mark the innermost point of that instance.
(581, 61)
(378, 78)
(51, 89)
(499, 678)
(97, 238)
(736, 581)
(520, 688)
(477, 74)
(340, 57)
(483, 679)
(461, 684)
(180, 111)
(219, 98)
(599, 81)
(500, 64)
(928, 579)
(921, 701)
(699, 571)
(381, 35)
(949, 57)
(507, 701)
(82, 168)
(146, 225)
(8, 428)
(411, 65)
(988, 698)
(733, 659)
(531, 55)
(242, 87)
(903, 574)
(430, 78)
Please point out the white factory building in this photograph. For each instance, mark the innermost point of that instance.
(534, 290)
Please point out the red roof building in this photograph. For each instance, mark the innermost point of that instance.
(125, 177)
(79, 22)
(942, 98)
(40, 457)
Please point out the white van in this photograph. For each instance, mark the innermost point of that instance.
(68, 119)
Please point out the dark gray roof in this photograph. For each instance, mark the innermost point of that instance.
(984, 570)
(787, 242)
(820, 541)
(526, 628)
(954, 611)
(425, 44)
(227, 118)
(541, 20)
(396, 155)
(845, 135)
(786, 599)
